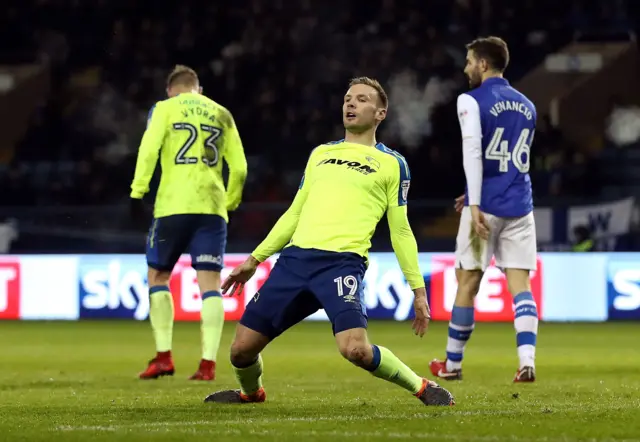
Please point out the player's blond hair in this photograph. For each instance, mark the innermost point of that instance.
(372, 82)
(182, 75)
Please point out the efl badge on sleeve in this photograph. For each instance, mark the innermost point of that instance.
(405, 189)
(461, 116)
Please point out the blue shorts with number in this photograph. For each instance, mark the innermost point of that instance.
(203, 236)
(304, 281)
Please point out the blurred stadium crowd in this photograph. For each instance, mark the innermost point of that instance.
(281, 67)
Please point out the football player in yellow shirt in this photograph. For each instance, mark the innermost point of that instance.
(191, 134)
(346, 189)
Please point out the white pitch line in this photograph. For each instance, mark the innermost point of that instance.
(342, 418)
(216, 426)
(188, 428)
(273, 420)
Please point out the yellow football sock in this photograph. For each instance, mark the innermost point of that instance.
(161, 317)
(212, 323)
(392, 369)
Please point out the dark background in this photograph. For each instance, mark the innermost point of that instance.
(94, 68)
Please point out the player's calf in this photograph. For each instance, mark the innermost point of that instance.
(211, 314)
(247, 366)
(525, 322)
(382, 363)
(212, 323)
(243, 353)
(161, 318)
(354, 347)
(518, 281)
(461, 326)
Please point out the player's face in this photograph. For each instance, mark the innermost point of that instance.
(473, 69)
(362, 109)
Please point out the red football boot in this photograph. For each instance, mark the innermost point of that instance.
(206, 371)
(161, 365)
(439, 369)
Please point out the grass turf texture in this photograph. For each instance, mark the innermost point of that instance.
(77, 382)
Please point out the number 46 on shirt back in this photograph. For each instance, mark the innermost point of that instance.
(498, 150)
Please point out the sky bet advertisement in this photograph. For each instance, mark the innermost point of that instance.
(116, 286)
(567, 287)
(623, 287)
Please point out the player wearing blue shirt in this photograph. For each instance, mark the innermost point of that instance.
(497, 124)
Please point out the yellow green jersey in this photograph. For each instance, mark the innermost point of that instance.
(191, 134)
(345, 191)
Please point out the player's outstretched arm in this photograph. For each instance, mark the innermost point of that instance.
(284, 228)
(236, 161)
(404, 243)
(148, 152)
(402, 239)
(277, 238)
(405, 248)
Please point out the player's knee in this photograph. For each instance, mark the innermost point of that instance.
(357, 352)
(246, 346)
(242, 355)
(468, 285)
(208, 280)
(518, 281)
(158, 277)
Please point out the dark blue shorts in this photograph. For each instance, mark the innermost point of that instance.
(203, 236)
(304, 281)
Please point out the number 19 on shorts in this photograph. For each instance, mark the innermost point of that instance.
(348, 282)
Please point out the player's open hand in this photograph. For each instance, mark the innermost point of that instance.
(480, 223)
(459, 203)
(239, 276)
(423, 314)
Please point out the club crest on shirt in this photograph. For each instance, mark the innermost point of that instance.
(373, 161)
(405, 189)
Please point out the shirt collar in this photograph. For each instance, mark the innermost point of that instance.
(495, 80)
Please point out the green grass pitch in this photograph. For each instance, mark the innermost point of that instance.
(77, 382)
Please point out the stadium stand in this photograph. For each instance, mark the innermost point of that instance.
(77, 85)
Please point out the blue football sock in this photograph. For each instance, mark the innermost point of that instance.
(460, 328)
(526, 325)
